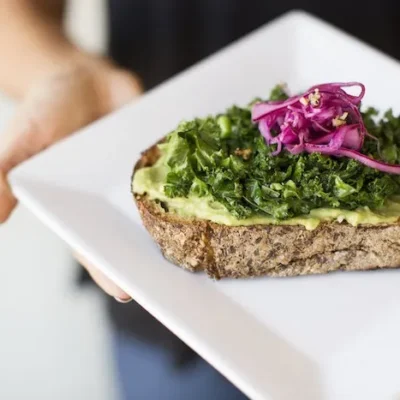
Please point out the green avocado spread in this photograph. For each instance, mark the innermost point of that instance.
(151, 180)
(220, 169)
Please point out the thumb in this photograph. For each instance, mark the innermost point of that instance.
(16, 145)
(9, 142)
(7, 200)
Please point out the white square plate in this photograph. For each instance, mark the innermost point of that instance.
(312, 338)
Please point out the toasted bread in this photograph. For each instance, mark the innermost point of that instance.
(274, 250)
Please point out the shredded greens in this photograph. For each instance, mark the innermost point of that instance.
(226, 158)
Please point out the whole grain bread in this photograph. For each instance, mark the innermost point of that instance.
(274, 250)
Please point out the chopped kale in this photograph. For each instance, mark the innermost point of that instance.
(226, 158)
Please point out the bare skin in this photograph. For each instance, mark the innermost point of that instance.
(61, 90)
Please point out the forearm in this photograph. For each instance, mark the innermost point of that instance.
(32, 43)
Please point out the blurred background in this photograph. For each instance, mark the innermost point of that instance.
(54, 337)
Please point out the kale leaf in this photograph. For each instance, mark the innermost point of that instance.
(225, 157)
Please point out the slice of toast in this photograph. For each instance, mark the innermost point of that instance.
(274, 250)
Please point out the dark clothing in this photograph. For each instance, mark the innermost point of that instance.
(159, 38)
(146, 373)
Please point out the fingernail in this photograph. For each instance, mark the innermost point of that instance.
(123, 301)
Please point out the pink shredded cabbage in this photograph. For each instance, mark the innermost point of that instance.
(324, 119)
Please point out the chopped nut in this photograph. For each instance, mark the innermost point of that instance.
(338, 121)
(303, 101)
(314, 98)
(244, 153)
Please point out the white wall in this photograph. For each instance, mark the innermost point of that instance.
(54, 338)
(86, 24)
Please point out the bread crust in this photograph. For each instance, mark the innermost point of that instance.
(274, 250)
